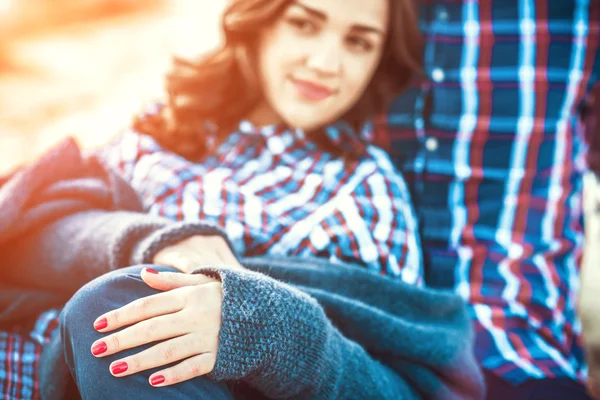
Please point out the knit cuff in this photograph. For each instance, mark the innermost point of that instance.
(272, 335)
(170, 234)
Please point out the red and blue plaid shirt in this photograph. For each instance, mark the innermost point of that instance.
(493, 153)
(20, 352)
(275, 192)
(497, 119)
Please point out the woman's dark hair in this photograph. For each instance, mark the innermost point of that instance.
(222, 87)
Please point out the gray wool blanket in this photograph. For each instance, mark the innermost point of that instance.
(292, 327)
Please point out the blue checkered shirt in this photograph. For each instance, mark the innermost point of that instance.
(491, 147)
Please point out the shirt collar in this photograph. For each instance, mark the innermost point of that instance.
(345, 137)
(341, 134)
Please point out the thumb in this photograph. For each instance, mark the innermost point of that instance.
(165, 281)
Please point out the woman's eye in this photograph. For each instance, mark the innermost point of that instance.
(302, 25)
(358, 43)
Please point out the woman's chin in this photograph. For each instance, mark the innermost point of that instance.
(308, 124)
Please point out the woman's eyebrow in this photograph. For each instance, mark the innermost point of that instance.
(367, 29)
(315, 13)
(322, 16)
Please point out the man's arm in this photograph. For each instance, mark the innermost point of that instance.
(520, 277)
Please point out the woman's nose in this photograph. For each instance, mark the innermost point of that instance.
(325, 58)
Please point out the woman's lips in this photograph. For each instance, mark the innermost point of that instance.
(312, 91)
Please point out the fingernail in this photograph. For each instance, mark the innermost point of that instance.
(119, 368)
(152, 271)
(157, 380)
(99, 348)
(100, 324)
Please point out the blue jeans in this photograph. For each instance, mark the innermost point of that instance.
(92, 374)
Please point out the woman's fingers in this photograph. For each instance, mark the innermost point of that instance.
(163, 353)
(144, 332)
(154, 305)
(139, 310)
(190, 368)
(166, 281)
(170, 318)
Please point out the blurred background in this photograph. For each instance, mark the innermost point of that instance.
(85, 67)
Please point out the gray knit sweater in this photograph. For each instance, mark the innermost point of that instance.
(291, 328)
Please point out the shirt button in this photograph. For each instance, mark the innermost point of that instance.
(431, 144)
(419, 164)
(419, 124)
(443, 14)
(438, 75)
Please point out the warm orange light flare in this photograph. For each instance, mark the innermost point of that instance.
(5, 6)
(91, 65)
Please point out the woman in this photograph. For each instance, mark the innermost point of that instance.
(282, 185)
(235, 124)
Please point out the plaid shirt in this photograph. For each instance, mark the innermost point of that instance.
(491, 147)
(274, 192)
(20, 352)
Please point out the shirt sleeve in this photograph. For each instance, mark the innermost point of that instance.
(126, 150)
(523, 279)
(520, 277)
(383, 200)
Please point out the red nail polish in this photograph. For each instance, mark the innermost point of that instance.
(157, 380)
(99, 348)
(152, 271)
(100, 324)
(119, 368)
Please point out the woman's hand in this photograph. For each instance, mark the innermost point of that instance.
(186, 319)
(197, 251)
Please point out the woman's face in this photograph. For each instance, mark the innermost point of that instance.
(317, 59)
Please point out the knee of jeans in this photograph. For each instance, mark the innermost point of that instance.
(88, 303)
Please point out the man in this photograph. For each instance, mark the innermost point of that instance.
(494, 154)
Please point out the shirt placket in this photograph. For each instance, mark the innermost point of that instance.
(433, 17)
